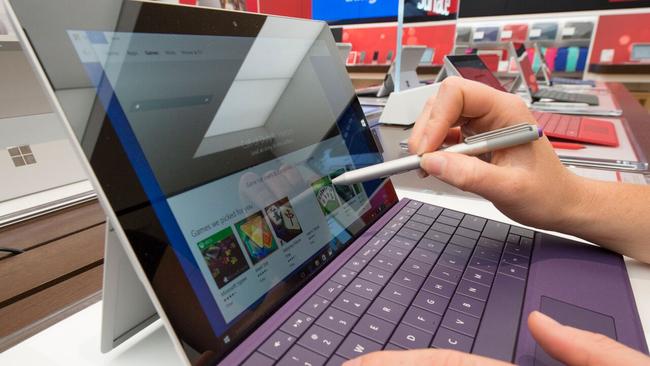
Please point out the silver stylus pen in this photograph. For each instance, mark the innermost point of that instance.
(473, 145)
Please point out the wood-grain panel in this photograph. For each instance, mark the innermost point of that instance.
(27, 316)
(29, 271)
(32, 233)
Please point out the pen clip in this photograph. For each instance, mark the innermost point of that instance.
(506, 131)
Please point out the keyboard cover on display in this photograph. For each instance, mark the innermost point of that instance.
(431, 278)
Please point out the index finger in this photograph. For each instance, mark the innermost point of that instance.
(457, 100)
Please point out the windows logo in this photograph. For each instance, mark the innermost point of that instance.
(21, 155)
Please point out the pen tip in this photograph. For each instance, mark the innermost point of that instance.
(540, 132)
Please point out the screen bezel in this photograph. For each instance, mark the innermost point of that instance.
(151, 247)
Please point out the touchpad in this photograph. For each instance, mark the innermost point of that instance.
(576, 317)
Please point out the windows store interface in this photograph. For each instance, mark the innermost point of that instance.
(252, 212)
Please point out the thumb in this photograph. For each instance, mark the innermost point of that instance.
(466, 172)
(577, 347)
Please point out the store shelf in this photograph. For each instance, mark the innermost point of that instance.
(631, 68)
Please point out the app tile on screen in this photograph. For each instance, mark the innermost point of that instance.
(257, 237)
(326, 195)
(345, 192)
(223, 256)
(283, 220)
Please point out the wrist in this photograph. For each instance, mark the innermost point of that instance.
(577, 204)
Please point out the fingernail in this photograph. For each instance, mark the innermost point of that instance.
(353, 362)
(434, 164)
(545, 318)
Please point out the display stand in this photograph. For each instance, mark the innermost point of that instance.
(126, 307)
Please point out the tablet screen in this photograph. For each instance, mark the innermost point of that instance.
(473, 68)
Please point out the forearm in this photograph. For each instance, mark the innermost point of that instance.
(613, 215)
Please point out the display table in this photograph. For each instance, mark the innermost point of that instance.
(75, 341)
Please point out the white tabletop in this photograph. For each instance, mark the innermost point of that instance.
(75, 340)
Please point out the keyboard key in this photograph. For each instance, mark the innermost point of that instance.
(448, 339)
(364, 288)
(367, 252)
(487, 253)
(320, 340)
(437, 226)
(394, 252)
(515, 271)
(454, 214)
(468, 233)
(431, 302)
(477, 276)
(395, 225)
(483, 264)
(438, 287)
(385, 233)
(467, 305)
(490, 244)
(344, 276)
(424, 255)
(422, 319)
(376, 275)
(430, 210)
(355, 345)
(414, 204)
(330, 290)
(463, 241)
(453, 261)
(377, 243)
(414, 225)
(473, 223)
(513, 239)
(336, 320)
(401, 217)
(410, 233)
(460, 323)
(431, 245)
(374, 328)
(473, 290)
(410, 338)
(522, 232)
(445, 273)
(398, 294)
(402, 242)
(516, 249)
(385, 263)
(356, 264)
(257, 359)
(416, 267)
(407, 279)
(526, 243)
(408, 211)
(437, 236)
(297, 324)
(515, 260)
(351, 303)
(458, 251)
(314, 306)
(300, 356)
(387, 310)
(496, 230)
(336, 360)
(277, 344)
(448, 221)
(423, 219)
(499, 327)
